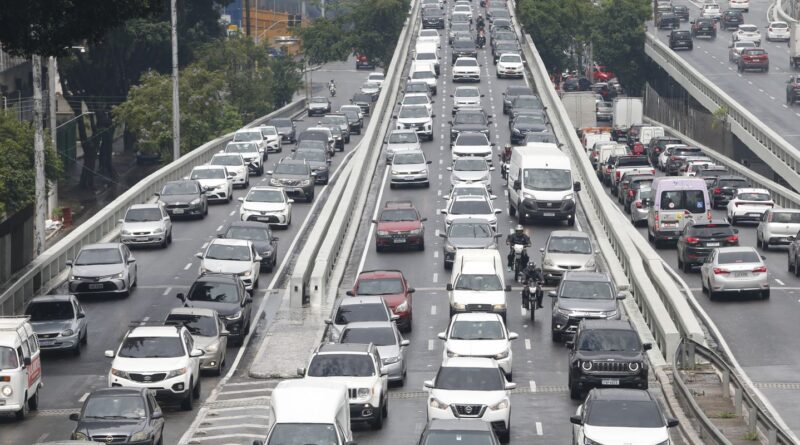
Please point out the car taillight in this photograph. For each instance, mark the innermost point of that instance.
(673, 158)
(618, 174)
(638, 204)
(720, 271)
(717, 191)
(692, 239)
(657, 217)
(733, 239)
(630, 193)
(652, 171)
(760, 269)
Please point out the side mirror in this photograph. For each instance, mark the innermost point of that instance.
(449, 287)
(491, 169)
(157, 194)
(68, 263)
(350, 293)
(290, 201)
(498, 211)
(576, 186)
(81, 314)
(517, 184)
(269, 172)
(620, 295)
(647, 346)
(384, 371)
(109, 354)
(301, 372)
(423, 219)
(405, 342)
(196, 353)
(450, 122)
(570, 344)
(552, 294)
(672, 423)
(158, 414)
(75, 417)
(763, 257)
(240, 199)
(224, 334)
(275, 239)
(507, 288)
(493, 197)
(790, 237)
(510, 386)
(411, 290)
(541, 249)
(427, 384)
(257, 258)
(513, 336)
(444, 235)
(180, 296)
(199, 255)
(395, 317)
(328, 321)
(443, 211)
(576, 420)
(120, 221)
(442, 335)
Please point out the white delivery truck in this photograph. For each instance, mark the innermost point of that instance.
(794, 45)
(628, 111)
(20, 367)
(581, 108)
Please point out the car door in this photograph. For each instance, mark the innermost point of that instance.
(223, 339)
(80, 316)
(130, 264)
(255, 265)
(157, 424)
(705, 266)
(194, 362)
(167, 221)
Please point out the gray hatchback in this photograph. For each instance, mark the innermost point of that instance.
(59, 322)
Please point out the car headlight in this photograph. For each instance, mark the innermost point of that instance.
(176, 373)
(196, 202)
(563, 312)
(527, 195)
(415, 232)
(364, 393)
(390, 360)
(212, 347)
(503, 404)
(7, 391)
(119, 275)
(402, 307)
(67, 332)
(499, 307)
(586, 365)
(570, 197)
(306, 182)
(79, 436)
(203, 270)
(634, 366)
(502, 355)
(610, 314)
(235, 316)
(395, 172)
(72, 278)
(421, 172)
(515, 130)
(435, 403)
(125, 232)
(547, 262)
(119, 373)
(246, 273)
(140, 436)
(590, 264)
(383, 233)
(159, 230)
(244, 209)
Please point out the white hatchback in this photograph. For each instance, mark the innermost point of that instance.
(747, 33)
(749, 204)
(509, 65)
(430, 35)
(479, 334)
(778, 31)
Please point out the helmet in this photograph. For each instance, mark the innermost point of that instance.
(518, 229)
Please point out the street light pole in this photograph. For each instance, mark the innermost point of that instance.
(176, 114)
(38, 159)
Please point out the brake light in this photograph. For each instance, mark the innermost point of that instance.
(692, 239)
(652, 171)
(630, 193)
(638, 204)
(761, 269)
(717, 191)
(657, 218)
(720, 271)
(673, 158)
(733, 239)
(618, 174)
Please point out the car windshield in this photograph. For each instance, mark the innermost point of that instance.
(470, 230)
(470, 207)
(415, 100)
(472, 139)
(143, 215)
(394, 215)
(213, 292)
(319, 100)
(510, 58)
(752, 196)
(624, 414)
(785, 217)
(470, 165)
(414, 112)
(467, 92)
(310, 155)
(466, 62)
(403, 137)
(88, 257)
(268, 131)
(377, 336)
(589, 290)
(241, 148)
(422, 75)
(227, 252)
(199, 325)
(380, 286)
(114, 407)
(733, 183)
(691, 200)
(291, 169)
(281, 122)
(746, 256)
(478, 282)
(8, 358)
(469, 379)
(546, 179)
(151, 347)
(704, 231)
(747, 28)
(445, 437)
(303, 434)
(265, 196)
(247, 136)
(180, 188)
(529, 119)
(226, 160)
(779, 25)
(570, 244)
(609, 340)
(341, 365)
(408, 158)
(527, 102)
(470, 118)
(209, 173)
(248, 233)
(477, 330)
(50, 311)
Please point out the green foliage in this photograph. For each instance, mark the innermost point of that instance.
(17, 175)
(546, 22)
(205, 111)
(324, 41)
(287, 77)
(619, 40)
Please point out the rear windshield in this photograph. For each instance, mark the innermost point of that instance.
(361, 312)
(624, 414)
(50, 311)
(380, 286)
(377, 336)
(746, 256)
(754, 196)
(733, 183)
(143, 215)
(692, 200)
(710, 230)
(196, 324)
(785, 217)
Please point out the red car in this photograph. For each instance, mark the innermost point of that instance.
(393, 287)
(363, 61)
(601, 74)
(399, 225)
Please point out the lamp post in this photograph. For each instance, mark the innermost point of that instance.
(176, 114)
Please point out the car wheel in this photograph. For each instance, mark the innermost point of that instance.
(796, 267)
(687, 267)
(33, 402)
(555, 336)
(703, 288)
(711, 294)
(205, 209)
(85, 338)
(377, 422)
(574, 392)
(512, 211)
(164, 243)
(76, 351)
(169, 237)
(505, 436)
(196, 390)
(765, 245)
(187, 404)
(765, 294)
(789, 262)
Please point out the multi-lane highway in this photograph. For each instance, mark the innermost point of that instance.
(763, 94)
(162, 274)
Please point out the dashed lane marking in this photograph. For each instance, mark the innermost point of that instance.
(167, 291)
(187, 266)
(433, 309)
(430, 344)
(436, 277)
(528, 344)
(538, 428)
(533, 385)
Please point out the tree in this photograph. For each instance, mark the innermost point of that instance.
(323, 41)
(287, 77)
(560, 29)
(205, 111)
(619, 40)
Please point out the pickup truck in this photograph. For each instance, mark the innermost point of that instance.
(629, 164)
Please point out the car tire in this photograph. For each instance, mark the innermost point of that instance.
(711, 294)
(555, 336)
(796, 267)
(505, 436)
(574, 392)
(85, 338)
(33, 402)
(377, 422)
(187, 404)
(765, 245)
(76, 351)
(196, 391)
(703, 289)
(687, 267)
(205, 210)
(765, 294)
(164, 243)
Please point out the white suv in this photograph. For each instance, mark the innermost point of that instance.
(471, 388)
(417, 118)
(466, 68)
(253, 135)
(479, 334)
(162, 358)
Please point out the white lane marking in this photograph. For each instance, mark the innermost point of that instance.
(205, 244)
(528, 344)
(780, 282)
(436, 277)
(749, 82)
(433, 309)
(219, 228)
(83, 397)
(430, 344)
(439, 193)
(538, 428)
(760, 90)
(374, 217)
(233, 212)
(772, 97)
(187, 266)
(436, 254)
(437, 232)
(524, 312)
(533, 386)
(167, 291)
(42, 437)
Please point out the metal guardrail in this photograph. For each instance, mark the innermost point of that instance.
(781, 13)
(767, 144)
(44, 270)
(313, 272)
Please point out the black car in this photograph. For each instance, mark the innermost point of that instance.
(723, 189)
(261, 235)
(464, 48)
(121, 416)
(285, 127)
(432, 18)
(680, 39)
(681, 11)
(678, 159)
(319, 161)
(353, 118)
(698, 240)
(606, 353)
(526, 104)
(511, 93)
(668, 20)
(704, 27)
(545, 136)
(657, 145)
(453, 431)
(185, 197)
(227, 295)
(362, 100)
(731, 19)
(523, 124)
(470, 121)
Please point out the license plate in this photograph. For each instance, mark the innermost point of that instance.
(408, 178)
(548, 214)
(399, 240)
(95, 286)
(754, 215)
(263, 218)
(45, 342)
(296, 190)
(670, 224)
(141, 238)
(609, 382)
(712, 244)
(177, 211)
(740, 274)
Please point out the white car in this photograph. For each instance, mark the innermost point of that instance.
(272, 138)
(620, 417)
(747, 33)
(471, 387)
(477, 207)
(372, 87)
(471, 170)
(253, 135)
(665, 155)
(749, 204)
(778, 31)
(742, 5)
(215, 181)
(510, 65)
(234, 163)
(146, 224)
(430, 35)
(695, 164)
(711, 11)
(417, 118)
(252, 157)
(401, 140)
(424, 72)
(377, 78)
(462, 9)
(409, 167)
(161, 358)
(474, 189)
(267, 204)
(777, 227)
(479, 334)
(232, 256)
(466, 68)
(418, 99)
(466, 97)
(472, 144)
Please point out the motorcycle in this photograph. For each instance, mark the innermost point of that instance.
(332, 89)
(505, 158)
(481, 41)
(520, 262)
(532, 295)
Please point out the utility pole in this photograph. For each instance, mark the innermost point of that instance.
(51, 77)
(38, 159)
(176, 113)
(323, 9)
(247, 18)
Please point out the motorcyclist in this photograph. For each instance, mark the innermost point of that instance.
(518, 236)
(480, 23)
(532, 275)
(480, 40)
(505, 158)
(332, 87)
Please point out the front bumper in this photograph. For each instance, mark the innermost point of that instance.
(143, 240)
(172, 389)
(559, 209)
(177, 210)
(218, 194)
(499, 419)
(509, 71)
(416, 178)
(466, 76)
(59, 343)
(363, 412)
(280, 219)
(211, 360)
(586, 382)
(104, 286)
(399, 240)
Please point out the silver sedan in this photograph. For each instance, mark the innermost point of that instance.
(734, 270)
(208, 332)
(567, 250)
(386, 337)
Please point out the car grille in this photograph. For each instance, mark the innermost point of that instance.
(147, 378)
(110, 438)
(177, 206)
(289, 181)
(568, 266)
(604, 366)
(549, 204)
(468, 410)
(417, 127)
(47, 335)
(479, 307)
(107, 286)
(141, 233)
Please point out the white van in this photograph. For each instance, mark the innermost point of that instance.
(477, 283)
(20, 367)
(647, 133)
(540, 183)
(291, 420)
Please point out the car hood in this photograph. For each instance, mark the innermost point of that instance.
(212, 182)
(389, 351)
(264, 206)
(283, 176)
(471, 243)
(472, 148)
(477, 347)
(203, 343)
(409, 167)
(479, 297)
(450, 396)
(400, 147)
(223, 309)
(178, 199)
(628, 436)
(413, 120)
(45, 327)
(469, 175)
(102, 428)
(148, 365)
(144, 226)
(470, 127)
(586, 305)
(317, 105)
(97, 270)
(568, 259)
(399, 225)
(226, 266)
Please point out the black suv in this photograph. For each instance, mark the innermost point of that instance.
(464, 48)
(704, 27)
(681, 11)
(470, 121)
(582, 295)
(115, 414)
(723, 188)
(511, 93)
(680, 39)
(657, 145)
(668, 20)
(698, 240)
(432, 18)
(731, 19)
(296, 178)
(678, 159)
(606, 353)
(227, 295)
